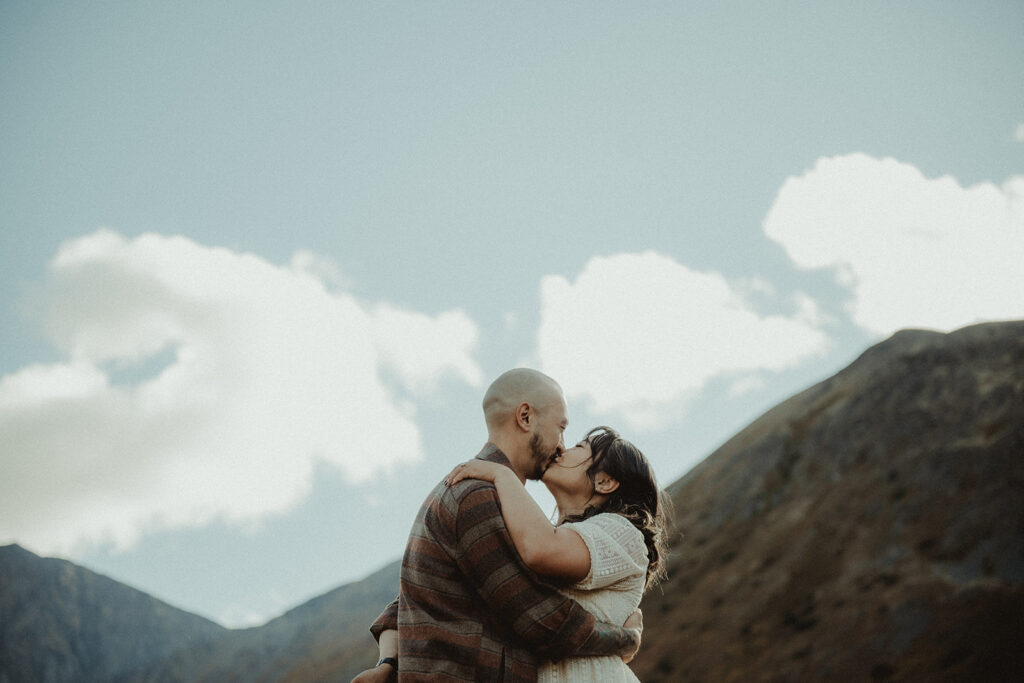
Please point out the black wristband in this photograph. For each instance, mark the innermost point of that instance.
(393, 661)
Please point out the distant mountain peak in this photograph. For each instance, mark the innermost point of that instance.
(59, 621)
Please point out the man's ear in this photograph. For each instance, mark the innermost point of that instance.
(605, 483)
(523, 413)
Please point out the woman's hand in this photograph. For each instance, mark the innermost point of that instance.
(558, 554)
(475, 469)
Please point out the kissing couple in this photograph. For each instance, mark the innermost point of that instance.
(491, 590)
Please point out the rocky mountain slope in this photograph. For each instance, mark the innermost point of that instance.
(60, 622)
(869, 528)
(325, 639)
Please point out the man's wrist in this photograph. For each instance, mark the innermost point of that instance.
(635, 643)
(392, 661)
(607, 639)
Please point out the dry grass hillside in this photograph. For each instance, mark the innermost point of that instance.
(869, 528)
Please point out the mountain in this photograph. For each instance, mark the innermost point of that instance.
(325, 639)
(60, 622)
(869, 528)
(63, 623)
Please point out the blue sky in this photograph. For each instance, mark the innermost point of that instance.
(260, 260)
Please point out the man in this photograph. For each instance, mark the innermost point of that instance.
(469, 609)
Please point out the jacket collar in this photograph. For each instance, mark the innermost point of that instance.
(492, 453)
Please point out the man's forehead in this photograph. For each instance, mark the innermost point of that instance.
(557, 407)
(564, 411)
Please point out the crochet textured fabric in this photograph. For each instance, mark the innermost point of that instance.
(611, 591)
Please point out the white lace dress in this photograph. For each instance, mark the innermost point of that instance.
(611, 591)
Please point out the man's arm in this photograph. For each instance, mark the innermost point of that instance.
(383, 672)
(385, 632)
(547, 621)
(608, 639)
(387, 621)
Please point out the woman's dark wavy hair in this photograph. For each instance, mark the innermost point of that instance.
(637, 498)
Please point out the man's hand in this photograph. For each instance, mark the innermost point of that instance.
(634, 621)
(378, 674)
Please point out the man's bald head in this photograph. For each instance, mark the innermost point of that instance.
(512, 389)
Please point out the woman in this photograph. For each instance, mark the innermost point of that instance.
(607, 547)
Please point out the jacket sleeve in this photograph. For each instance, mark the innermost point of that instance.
(549, 623)
(387, 621)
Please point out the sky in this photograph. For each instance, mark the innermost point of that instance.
(260, 260)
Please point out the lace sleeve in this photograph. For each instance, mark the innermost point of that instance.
(617, 550)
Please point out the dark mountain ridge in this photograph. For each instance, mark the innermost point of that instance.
(868, 528)
(324, 639)
(61, 622)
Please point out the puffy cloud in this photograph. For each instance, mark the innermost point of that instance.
(1018, 134)
(415, 345)
(915, 252)
(639, 335)
(202, 383)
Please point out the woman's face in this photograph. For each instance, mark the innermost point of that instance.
(568, 473)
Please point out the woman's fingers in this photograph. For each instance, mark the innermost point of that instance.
(456, 475)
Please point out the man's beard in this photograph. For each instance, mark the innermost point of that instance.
(541, 458)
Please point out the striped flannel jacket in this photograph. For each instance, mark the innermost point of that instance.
(469, 609)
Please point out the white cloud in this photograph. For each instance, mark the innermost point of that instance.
(1018, 134)
(415, 345)
(322, 268)
(264, 372)
(915, 252)
(639, 335)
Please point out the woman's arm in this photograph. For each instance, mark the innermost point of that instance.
(556, 552)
